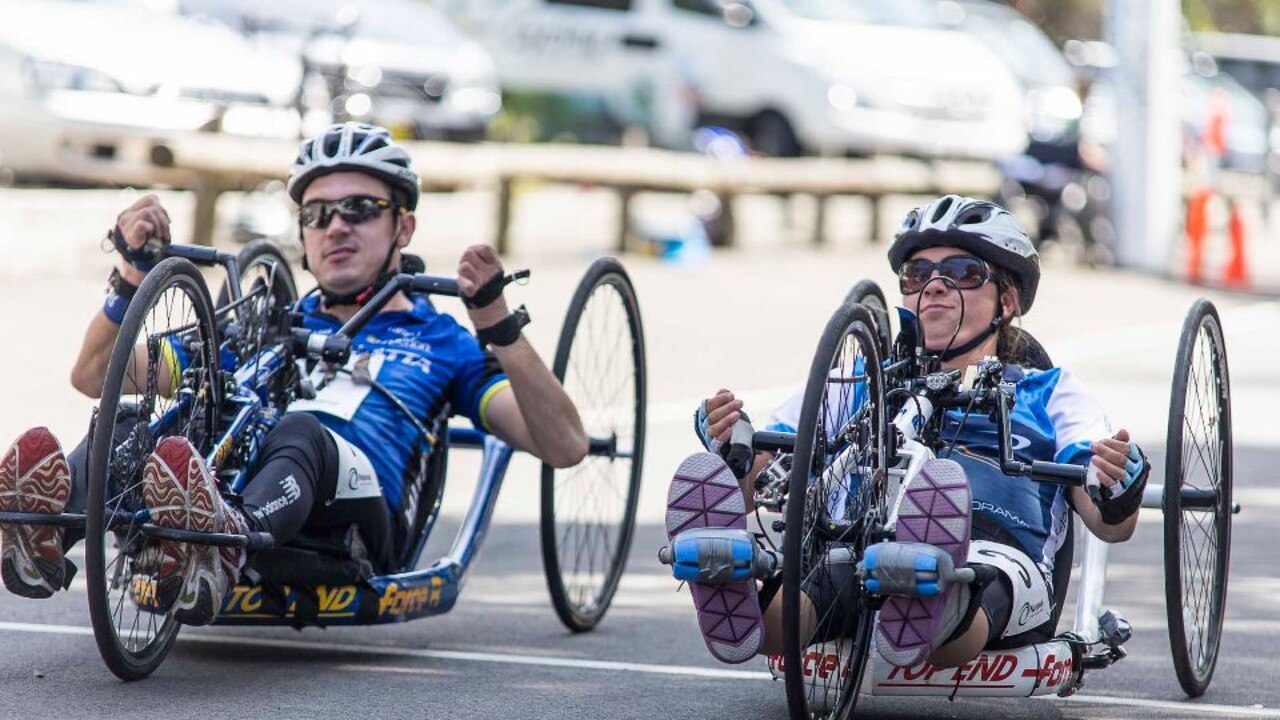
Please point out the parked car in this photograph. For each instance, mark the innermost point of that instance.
(91, 91)
(814, 76)
(397, 63)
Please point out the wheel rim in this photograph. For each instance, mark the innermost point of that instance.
(267, 289)
(1203, 532)
(121, 590)
(594, 501)
(841, 515)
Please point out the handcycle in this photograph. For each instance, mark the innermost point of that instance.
(223, 375)
(871, 417)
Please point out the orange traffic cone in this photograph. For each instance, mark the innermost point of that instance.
(1236, 273)
(1197, 230)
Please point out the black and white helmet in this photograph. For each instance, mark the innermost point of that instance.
(360, 147)
(978, 226)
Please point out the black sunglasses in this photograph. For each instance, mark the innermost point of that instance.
(966, 271)
(354, 209)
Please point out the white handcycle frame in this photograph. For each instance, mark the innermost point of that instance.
(1052, 667)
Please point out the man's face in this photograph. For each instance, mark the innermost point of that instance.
(347, 257)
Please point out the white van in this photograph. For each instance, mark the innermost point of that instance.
(828, 77)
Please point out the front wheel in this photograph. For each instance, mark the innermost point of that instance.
(836, 506)
(1197, 499)
(589, 511)
(161, 381)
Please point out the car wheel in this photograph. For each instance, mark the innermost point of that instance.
(772, 135)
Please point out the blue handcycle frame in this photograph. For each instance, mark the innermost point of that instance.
(379, 599)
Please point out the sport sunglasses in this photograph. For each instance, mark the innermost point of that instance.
(354, 209)
(965, 271)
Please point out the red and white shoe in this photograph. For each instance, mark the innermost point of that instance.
(34, 478)
(181, 493)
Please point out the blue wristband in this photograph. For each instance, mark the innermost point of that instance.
(115, 307)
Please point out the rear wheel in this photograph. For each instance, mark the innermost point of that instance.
(589, 510)
(161, 381)
(836, 506)
(1197, 499)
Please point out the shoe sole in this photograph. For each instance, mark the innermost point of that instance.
(184, 505)
(43, 488)
(936, 509)
(704, 493)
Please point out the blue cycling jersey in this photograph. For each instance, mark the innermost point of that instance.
(1054, 418)
(425, 359)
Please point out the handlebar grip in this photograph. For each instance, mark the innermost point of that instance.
(1059, 473)
(739, 453)
(434, 285)
(768, 441)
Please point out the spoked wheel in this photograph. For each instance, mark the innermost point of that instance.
(267, 294)
(1197, 499)
(836, 507)
(589, 511)
(161, 381)
(868, 293)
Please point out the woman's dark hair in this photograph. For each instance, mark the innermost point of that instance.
(1010, 344)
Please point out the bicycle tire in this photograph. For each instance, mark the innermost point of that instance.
(263, 269)
(813, 535)
(868, 293)
(603, 315)
(114, 470)
(1197, 539)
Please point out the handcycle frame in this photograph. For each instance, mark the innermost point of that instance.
(384, 598)
(1056, 665)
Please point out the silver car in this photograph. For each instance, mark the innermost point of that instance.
(93, 91)
(397, 63)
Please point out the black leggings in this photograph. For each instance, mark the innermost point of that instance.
(292, 489)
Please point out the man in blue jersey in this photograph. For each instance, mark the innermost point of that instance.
(1008, 529)
(344, 457)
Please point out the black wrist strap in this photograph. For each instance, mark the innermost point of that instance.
(506, 331)
(486, 293)
(117, 285)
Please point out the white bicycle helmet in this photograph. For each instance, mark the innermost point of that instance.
(360, 147)
(978, 226)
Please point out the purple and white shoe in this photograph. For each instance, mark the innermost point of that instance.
(705, 494)
(937, 510)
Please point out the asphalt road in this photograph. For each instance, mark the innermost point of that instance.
(748, 320)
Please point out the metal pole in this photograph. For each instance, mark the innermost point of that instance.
(1146, 175)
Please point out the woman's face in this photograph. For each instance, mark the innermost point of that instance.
(939, 304)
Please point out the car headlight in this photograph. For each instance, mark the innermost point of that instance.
(48, 75)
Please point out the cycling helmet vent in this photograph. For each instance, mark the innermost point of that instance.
(975, 215)
(976, 226)
(940, 209)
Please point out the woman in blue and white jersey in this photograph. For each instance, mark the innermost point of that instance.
(1010, 530)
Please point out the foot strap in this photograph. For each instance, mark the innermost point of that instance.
(910, 569)
(717, 555)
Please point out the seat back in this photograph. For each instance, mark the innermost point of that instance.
(420, 501)
(1028, 352)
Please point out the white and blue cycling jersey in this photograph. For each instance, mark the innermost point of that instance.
(1054, 418)
(425, 359)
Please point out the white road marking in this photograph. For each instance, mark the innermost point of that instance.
(459, 655)
(1186, 708)
(1179, 707)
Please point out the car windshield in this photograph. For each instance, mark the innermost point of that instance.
(1025, 49)
(914, 13)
